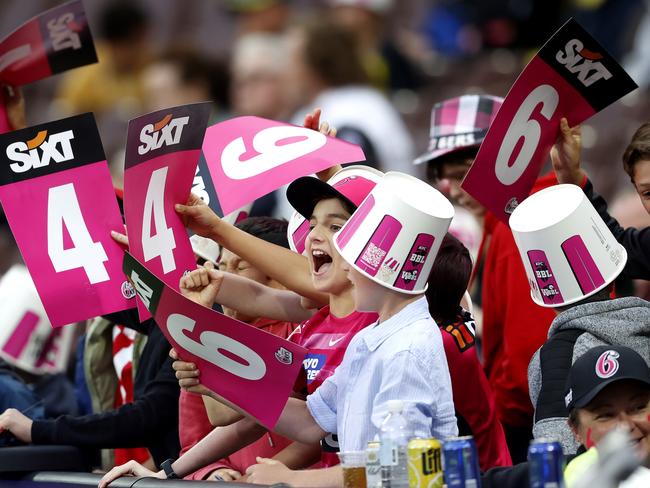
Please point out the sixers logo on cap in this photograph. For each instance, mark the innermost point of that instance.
(607, 364)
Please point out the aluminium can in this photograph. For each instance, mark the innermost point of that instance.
(546, 464)
(460, 463)
(425, 463)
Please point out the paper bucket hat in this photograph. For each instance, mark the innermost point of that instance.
(567, 250)
(27, 339)
(395, 234)
(209, 249)
(351, 184)
(297, 232)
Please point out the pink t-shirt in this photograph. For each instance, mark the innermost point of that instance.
(326, 337)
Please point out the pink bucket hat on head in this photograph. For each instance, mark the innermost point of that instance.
(459, 123)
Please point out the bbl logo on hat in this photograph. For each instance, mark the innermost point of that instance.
(542, 271)
(607, 364)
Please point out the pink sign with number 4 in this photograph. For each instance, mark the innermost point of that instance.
(56, 190)
(162, 153)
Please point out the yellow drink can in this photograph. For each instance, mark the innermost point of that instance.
(425, 463)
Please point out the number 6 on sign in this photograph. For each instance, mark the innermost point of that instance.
(248, 365)
(572, 76)
(270, 154)
(63, 211)
(524, 126)
(237, 361)
(162, 243)
(249, 157)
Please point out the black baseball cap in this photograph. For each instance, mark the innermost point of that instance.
(352, 185)
(599, 367)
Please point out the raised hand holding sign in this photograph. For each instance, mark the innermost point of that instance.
(162, 153)
(234, 358)
(56, 190)
(572, 76)
(249, 157)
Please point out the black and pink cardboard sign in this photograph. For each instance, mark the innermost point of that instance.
(572, 76)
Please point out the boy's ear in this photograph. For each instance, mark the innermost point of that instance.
(574, 425)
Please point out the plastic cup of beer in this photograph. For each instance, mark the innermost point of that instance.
(354, 469)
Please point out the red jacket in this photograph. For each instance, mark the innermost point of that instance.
(514, 327)
(473, 399)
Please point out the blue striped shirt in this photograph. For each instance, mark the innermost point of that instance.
(400, 359)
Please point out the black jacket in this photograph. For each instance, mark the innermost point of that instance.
(150, 421)
(635, 241)
(516, 476)
(506, 477)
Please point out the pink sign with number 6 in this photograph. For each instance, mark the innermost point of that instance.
(59, 200)
(251, 368)
(249, 157)
(572, 76)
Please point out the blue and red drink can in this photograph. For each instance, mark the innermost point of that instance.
(546, 464)
(460, 463)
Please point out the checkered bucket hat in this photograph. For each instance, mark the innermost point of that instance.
(459, 123)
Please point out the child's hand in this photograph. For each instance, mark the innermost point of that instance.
(202, 285)
(15, 106)
(197, 216)
(132, 468)
(224, 474)
(16, 423)
(312, 121)
(565, 155)
(187, 375)
(268, 472)
(121, 239)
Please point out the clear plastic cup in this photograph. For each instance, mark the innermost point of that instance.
(354, 468)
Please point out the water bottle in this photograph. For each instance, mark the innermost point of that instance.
(394, 436)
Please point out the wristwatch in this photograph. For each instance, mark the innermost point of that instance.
(169, 471)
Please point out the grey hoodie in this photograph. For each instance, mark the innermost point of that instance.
(623, 321)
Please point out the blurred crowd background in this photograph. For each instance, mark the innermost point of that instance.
(376, 67)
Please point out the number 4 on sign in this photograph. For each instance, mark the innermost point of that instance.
(63, 210)
(162, 243)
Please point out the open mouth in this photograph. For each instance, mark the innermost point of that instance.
(321, 260)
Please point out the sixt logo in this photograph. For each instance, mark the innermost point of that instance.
(40, 150)
(165, 132)
(584, 62)
(64, 32)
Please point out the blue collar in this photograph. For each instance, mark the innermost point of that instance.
(378, 333)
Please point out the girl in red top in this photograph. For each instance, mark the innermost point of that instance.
(473, 398)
